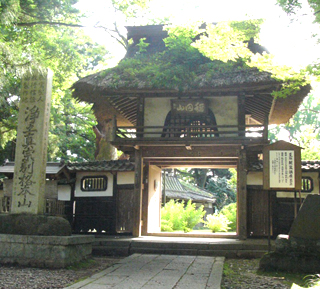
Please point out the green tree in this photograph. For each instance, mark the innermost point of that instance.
(225, 194)
(45, 34)
(303, 129)
(296, 10)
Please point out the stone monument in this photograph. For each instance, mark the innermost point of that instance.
(300, 250)
(27, 236)
(32, 141)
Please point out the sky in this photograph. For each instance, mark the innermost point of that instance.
(291, 43)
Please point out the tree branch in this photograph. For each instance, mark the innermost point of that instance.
(308, 109)
(120, 38)
(30, 24)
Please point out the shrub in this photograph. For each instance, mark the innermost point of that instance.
(172, 216)
(166, 226)
(175, 216)
(217, 223)
(230, 212)
(192, 216)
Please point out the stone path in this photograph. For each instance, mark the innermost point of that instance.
(158, 272)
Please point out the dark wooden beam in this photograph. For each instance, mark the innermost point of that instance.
(194, 143)
(196, 152)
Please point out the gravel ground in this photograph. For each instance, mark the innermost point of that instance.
(242, 274)
(13, 277)
(238, 274)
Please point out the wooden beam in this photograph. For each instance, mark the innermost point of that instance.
(206, 163)
(196, 152)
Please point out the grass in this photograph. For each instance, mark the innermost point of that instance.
(288, 278)
(82, 265)
(237, 272)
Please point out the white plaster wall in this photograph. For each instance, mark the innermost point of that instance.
(255, 179)
(125, 178)
(225, 109)
(155, 112)
(315, 178)
(64, 193)
(154, 194)
(107, 193)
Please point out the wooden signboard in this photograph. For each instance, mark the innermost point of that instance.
(282, 167)
(189, 106)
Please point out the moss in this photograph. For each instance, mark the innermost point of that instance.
(169, 70)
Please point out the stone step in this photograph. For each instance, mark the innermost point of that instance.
(223, 247)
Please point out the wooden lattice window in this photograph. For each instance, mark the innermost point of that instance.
(94, 183)
(306, 184)
(190, 125)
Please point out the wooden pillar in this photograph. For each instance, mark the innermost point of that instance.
(265, 129)
(137, 200)
(242, 195)
(241, 115)
(140, 116)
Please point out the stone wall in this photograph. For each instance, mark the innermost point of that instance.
(44, 251)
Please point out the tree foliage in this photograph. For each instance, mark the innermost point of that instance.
(296, 10)
(36, 35)
(211, 52)
(225, 194)
(303, 129)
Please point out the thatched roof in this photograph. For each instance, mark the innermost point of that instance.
(118, 87)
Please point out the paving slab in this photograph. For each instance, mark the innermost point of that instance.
(144, 271)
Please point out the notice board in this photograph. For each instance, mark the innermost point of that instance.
(282, 167)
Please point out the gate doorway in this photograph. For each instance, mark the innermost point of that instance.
(154, 199)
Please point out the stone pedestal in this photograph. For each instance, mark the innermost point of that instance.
(44, 251)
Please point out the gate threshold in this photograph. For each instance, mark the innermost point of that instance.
(228, 247)
(195, 235)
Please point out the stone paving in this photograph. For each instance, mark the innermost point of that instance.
(149, 271)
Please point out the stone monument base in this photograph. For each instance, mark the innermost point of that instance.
(44, 251)
(293, 255)
(31, 224)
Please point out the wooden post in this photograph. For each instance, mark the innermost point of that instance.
(114, 128)
(137, 200)
(241, 115)
(140, 115)
(265, 128)
(269, 222)
(242, 195)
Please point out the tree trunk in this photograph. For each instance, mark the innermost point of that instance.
(104, 150)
